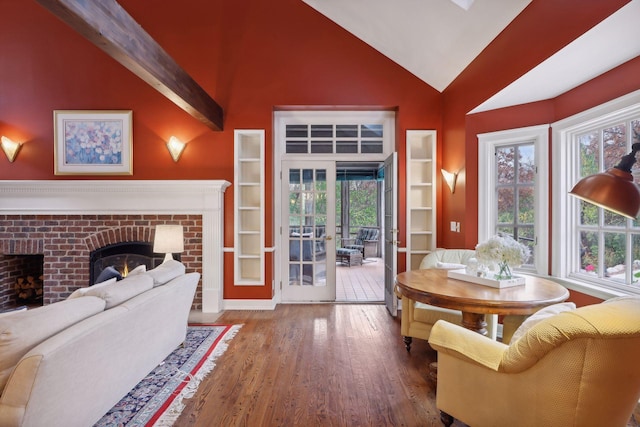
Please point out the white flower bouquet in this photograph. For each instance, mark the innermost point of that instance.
(503, 251)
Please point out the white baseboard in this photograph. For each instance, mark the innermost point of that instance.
(249, 304)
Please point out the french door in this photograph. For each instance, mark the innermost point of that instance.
(308, 244)
(390, 233)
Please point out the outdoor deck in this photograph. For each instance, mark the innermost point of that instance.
(360, 283)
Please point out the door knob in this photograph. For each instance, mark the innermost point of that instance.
(328, 238)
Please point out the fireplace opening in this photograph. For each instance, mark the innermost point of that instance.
(124, 257)
(22, 281)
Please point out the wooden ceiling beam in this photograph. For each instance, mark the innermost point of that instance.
(107, 25)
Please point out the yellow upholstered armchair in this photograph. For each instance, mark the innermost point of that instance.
(576, 368)
(418, 318)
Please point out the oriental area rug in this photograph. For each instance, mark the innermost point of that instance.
(157, 399)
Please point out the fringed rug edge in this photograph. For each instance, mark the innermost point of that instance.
(173, 411)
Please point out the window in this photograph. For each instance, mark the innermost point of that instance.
(513, 190)
(515, 184)
(596, 246)
(349, 134)
(323, 139)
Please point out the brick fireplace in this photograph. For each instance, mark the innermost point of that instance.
(20, 279)
(65, 220)
(65, 242)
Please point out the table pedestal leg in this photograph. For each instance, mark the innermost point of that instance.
(475, 322)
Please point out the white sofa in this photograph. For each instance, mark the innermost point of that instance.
(101, 345)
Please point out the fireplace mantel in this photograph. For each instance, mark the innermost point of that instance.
(75, 197)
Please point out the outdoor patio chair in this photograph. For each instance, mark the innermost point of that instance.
(366, 241)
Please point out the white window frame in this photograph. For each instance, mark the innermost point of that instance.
(565, 174)
(487, 198)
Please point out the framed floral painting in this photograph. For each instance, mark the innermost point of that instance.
(93, 142)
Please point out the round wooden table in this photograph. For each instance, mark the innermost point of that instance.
(434, 287)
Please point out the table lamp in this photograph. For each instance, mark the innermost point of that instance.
(169, 239)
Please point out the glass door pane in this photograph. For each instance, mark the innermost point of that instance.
(308, 244)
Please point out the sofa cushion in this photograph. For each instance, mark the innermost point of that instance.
(118, 292)
(166, 271)
(449, 265)
(13, 311)
(138, 270)
(453, 256)
(107, 274)
(24, 330)
(539, 316)
(80, 292)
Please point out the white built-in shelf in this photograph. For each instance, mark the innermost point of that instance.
(421, 197)
(249, 202)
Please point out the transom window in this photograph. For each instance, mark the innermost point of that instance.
(327, 138)
(343, 135)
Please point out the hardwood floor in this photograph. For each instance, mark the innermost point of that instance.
(316, 365)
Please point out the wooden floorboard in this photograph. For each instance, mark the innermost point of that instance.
(316, 365)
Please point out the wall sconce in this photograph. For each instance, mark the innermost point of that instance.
(613, 189)
(176, 147)
(10, 148)
(169, 239)
(450, 178)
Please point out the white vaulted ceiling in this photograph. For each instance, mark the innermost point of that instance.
(433, 39)
(436, 39)
(612, 42)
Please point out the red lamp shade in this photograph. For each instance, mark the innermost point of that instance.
(613, 190)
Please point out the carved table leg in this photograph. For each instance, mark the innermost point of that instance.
(474, 322)
(446, 419)
(407, 342)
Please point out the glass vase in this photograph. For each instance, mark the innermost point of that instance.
(504, 271)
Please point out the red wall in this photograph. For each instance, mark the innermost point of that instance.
(543, 28)
(251, 56)
(620, 81)
(460, 146)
